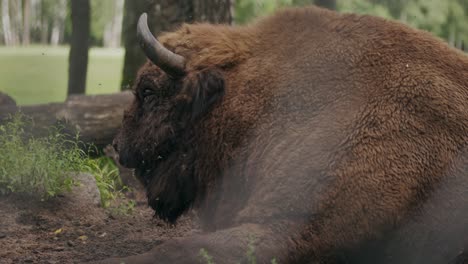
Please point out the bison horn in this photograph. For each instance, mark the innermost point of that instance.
(165, 59)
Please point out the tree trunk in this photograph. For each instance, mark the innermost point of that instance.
(97, 118)
(6, 24)
(330, 4)
(165, 15)
(58, 27)
(452, 34)
(79, 45)
(35, 21)
(26, 22)
(44, 25)
(134, 58)
(113, 30)
(214, 11)
(16, 11)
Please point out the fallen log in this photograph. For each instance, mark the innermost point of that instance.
(95, 117)
(5, 99)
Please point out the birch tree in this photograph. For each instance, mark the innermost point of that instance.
(6, 24)
(26, 22)
(58, 25)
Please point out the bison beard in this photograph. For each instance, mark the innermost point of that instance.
(171, 187)
(328, 137)
(169, 179)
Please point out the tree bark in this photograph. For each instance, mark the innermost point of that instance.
(58, 27)
(6, 24)
(16, 12)
(44, 24)
(113, 29)
(96, 118)
(165, 15)
(78, 58)
(134, 58)
(26, 22)
(213, 11)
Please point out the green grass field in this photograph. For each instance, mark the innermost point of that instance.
(39, 74)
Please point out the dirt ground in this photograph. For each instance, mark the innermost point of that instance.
(60, 231)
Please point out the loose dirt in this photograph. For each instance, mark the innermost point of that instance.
(61, 231)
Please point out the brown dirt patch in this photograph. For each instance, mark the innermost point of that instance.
(28, 231)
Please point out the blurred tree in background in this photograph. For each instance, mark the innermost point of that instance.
(26, 23)
(164, 15)
(79, 46)
(106, 22)
(49, 22)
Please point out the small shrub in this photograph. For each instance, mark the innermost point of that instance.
(125, 208)
(250, 254)
(110, 185)
(206, 257)
(37, 165)
(251, 259)
(45, 166)
(107, 178)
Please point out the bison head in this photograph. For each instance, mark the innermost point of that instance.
(157, 129)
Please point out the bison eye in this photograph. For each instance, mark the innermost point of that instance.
(147, 92)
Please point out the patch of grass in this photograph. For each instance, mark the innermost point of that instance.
(110, 185)
(107, 178)
(250, 254)
(206, 257)
(39, 74)
(45, 166)
(124, 207)
(37, 165)
(251, 259)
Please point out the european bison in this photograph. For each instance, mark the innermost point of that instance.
(319, 137)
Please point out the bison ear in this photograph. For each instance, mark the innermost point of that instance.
(203, 90)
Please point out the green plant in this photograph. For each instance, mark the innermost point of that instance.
(110, 185)
(37, 165)
(206, 257)
(107, 178)
(251, 259)
(45, 165)
(250, 254)
(124, 207)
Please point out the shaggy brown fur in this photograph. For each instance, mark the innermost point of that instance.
(328, 137)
